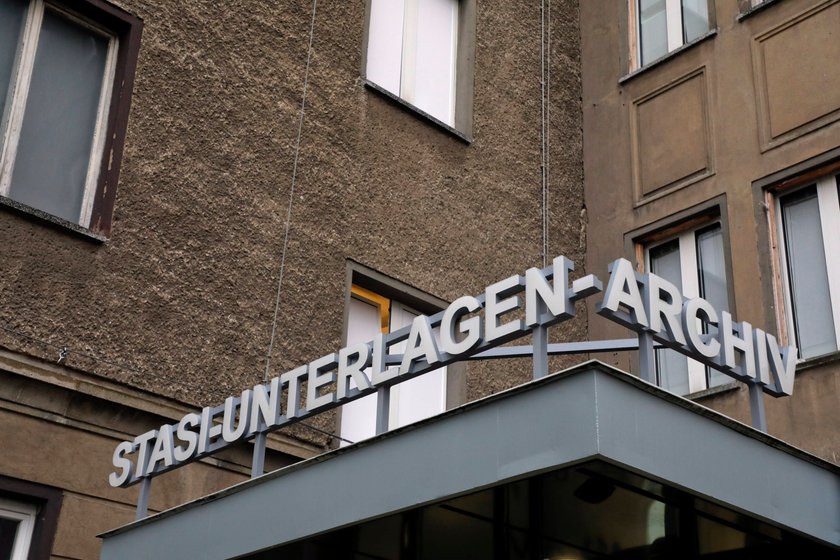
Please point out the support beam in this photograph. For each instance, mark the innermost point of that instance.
(759, 419)
(383, 407)
(258, 461)
(143, 498)
(647, 358)
(560, 348)
(540, 351)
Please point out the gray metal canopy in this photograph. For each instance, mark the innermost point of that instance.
(589, 412)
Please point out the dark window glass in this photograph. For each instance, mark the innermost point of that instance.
(8, 530)
(54, 148)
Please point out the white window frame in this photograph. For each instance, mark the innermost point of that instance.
(829, 208)
(674, 24)
(20, 80)
(673, 29)
(407, 70)
(393, 316)
(689, 273)
(402, 314)
(25, 514)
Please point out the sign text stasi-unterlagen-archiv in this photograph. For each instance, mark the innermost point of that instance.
(469, 325)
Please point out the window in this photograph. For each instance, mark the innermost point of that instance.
(28, 519)
(665, 25)
(424, 396)
(747, 5)
(17, 524)
(416, 51)
(808, 226)
(694, 262)
(65, 79)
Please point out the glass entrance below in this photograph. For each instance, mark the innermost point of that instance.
(590, 511)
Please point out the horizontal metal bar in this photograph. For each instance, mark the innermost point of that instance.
(554, 349)
(560, 348)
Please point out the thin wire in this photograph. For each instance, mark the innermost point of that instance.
(291, 195)
(547, 189)
(326, 433)
(542, 133)
(289, 218)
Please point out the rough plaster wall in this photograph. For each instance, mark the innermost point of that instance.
(180, 299)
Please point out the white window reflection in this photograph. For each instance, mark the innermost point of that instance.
(410, 401)
(666, 25)
(694, 262)
(411, 52)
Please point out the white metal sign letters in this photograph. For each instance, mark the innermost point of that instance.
(644, 303)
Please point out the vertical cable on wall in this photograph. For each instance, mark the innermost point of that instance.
(258, 461)
(547, 190)
(545, 118)
(291, 194)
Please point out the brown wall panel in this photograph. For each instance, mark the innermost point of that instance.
(797, 76)
(670, 135)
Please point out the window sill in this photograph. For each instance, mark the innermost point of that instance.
(810, 363)
(420, 112)
(54, 221)
(726, 388)
(755, 9)
(664, 59)
(817, 361)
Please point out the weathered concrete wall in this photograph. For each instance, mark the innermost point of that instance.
(62, 437)
(694, 128)
(180, 300)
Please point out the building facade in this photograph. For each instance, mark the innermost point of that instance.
(197, 198)
(194, 198)
(712, 149)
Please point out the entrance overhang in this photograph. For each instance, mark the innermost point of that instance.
(589, 412)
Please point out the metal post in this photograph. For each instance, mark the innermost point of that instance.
(647, 358)
(383, 406)
(258, 462)
(143, 498)
(759, 420)
(540, 340)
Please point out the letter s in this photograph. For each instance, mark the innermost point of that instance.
(188, 436)
(123, 463)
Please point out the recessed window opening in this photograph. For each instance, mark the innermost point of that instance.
(666, 25)
(694, 262)
(809, 241)
(410, 401)
(56, 72)
(17, 524)
(412, 52)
